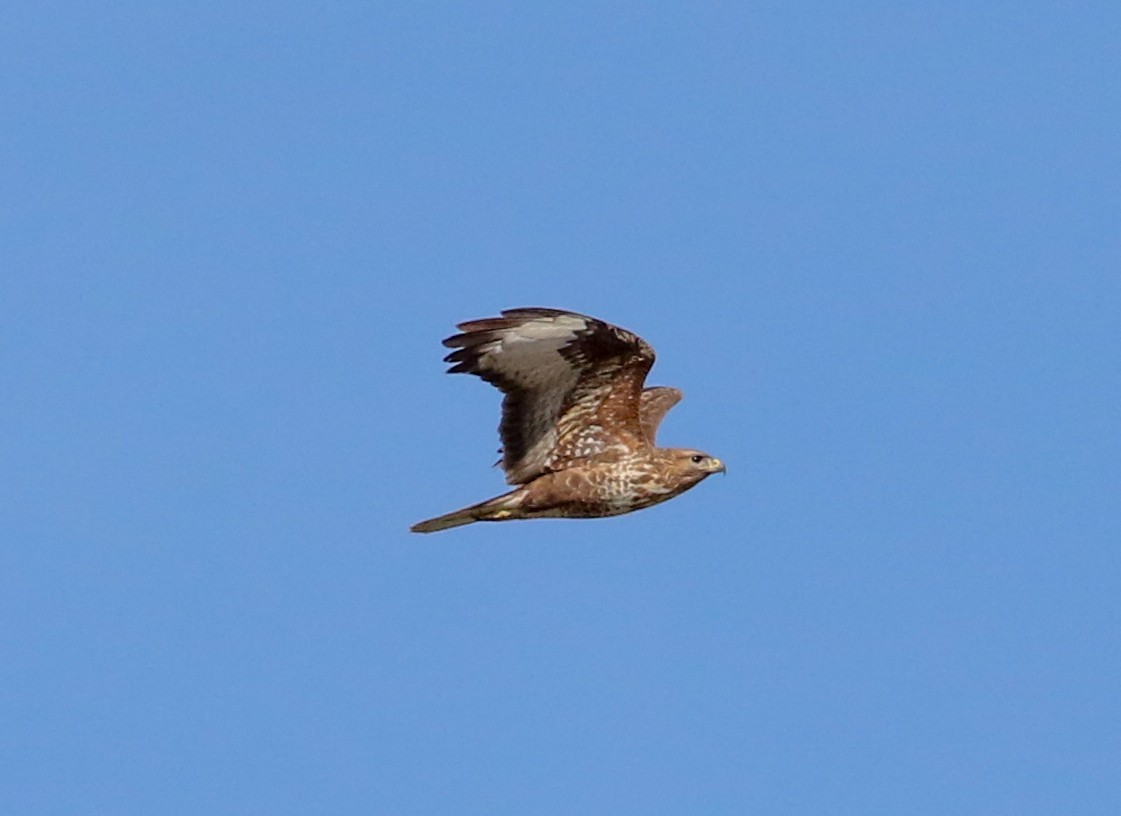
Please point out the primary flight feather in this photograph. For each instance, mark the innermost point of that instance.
(577, 426)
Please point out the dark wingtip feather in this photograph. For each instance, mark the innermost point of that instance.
(456, 340)
(484, 324)
(523, 312)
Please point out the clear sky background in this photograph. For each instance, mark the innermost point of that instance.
(878, 245)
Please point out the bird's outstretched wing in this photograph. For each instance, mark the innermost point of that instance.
(653, 406)
(573, 385)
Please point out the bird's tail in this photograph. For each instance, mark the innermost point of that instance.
(496, 509)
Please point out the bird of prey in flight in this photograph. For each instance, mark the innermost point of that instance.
(578, 425)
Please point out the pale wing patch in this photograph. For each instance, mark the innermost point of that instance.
(529, 353)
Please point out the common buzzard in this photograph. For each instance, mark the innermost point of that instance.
(577, 425)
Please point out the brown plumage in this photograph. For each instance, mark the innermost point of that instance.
(577, 426)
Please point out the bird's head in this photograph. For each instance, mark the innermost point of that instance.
(694, 465)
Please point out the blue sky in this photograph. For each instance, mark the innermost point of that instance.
(877, 247)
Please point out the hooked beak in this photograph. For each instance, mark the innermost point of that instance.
(716, 466)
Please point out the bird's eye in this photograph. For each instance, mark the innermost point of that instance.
(697, 458)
